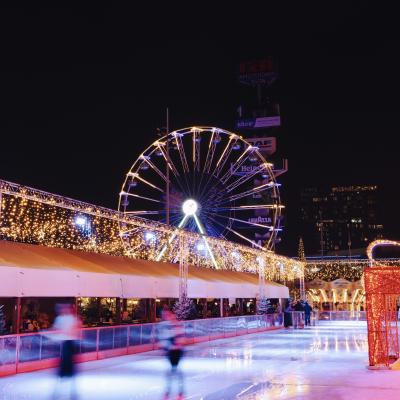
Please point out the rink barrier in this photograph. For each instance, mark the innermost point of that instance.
(298, 317)
(341, 316)
(40, 350)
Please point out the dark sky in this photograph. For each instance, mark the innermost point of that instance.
(83, 91)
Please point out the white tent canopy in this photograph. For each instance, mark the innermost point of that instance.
(37, 271)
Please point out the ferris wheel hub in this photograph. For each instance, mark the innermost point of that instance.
(190, 207)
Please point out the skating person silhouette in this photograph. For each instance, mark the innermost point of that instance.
(171, 341)
(67, 326)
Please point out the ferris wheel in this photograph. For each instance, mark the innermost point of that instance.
(206, 180)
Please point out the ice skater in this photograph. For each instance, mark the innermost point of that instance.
(67, 326)
(307, 313)
(171, 341)
(287, 316)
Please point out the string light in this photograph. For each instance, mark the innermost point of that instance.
(349, 269)
(377, 243)
(31, 216)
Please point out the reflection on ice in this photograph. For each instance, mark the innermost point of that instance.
(326, 361)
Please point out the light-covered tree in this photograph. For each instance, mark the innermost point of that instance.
(263, 304)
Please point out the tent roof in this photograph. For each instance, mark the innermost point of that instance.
(49, 259)
(24, 255)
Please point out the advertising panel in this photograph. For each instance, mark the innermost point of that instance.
(256, 123)
(266, 145)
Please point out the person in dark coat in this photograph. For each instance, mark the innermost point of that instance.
(307, 313)
(299, 306)
(287, 316)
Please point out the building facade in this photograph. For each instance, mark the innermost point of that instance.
(340, 220)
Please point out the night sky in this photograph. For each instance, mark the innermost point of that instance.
(83, 91)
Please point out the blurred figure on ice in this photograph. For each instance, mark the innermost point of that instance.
(67, 326)
(287, 316)
(171, 341)
(307, 313)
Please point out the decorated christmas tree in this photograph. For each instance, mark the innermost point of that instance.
(183, 308)
(2, 320)
(263, 304)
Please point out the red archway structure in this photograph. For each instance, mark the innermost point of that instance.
(382, 287)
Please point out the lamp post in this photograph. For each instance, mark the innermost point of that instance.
(321, 230)
(167, 173)
(161, 133)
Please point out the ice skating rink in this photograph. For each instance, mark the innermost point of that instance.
(323, 362)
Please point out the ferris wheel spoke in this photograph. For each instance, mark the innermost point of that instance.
(182, 155)
(221, 161)
(172, 237)
(246, 208)
(211, 150)
(170, 164)
(212, 230)
(245, 178)
(269, 227)
(239, 162)
(225, 154)
(154, 168)
(250, 192)
(214, 139)
(238, 234)
(137, 176)
(140, 197)
(214, 201)
(143, 212)
(196, 148)
(167, 159)
(203, 232)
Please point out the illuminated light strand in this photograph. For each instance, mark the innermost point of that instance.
(37, 217)
(349, 269)
(378, 243)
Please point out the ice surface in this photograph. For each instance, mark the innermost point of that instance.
(324, 362)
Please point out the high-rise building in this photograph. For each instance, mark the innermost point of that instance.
(259, 122)
(340, 220)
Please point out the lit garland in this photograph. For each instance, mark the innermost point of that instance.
(351, 269)
(32, 216)
(378, 243)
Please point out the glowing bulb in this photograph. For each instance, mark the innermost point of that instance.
(149, 236)
(80, 221)
(189, 207)
(200, 247)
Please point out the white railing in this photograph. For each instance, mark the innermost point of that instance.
(33, 351)
(341, 316)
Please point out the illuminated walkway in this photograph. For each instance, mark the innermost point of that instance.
(325, 362)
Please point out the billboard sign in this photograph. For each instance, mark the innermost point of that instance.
(255, 123)
(257, 66)
(258, 71)
(266, 145)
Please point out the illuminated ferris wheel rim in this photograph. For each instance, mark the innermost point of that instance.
(187, 130)
(174, 140)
